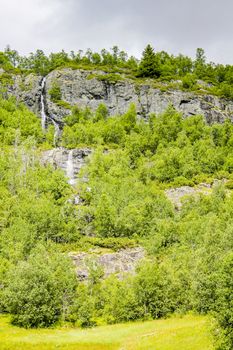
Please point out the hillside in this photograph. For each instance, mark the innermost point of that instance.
(116, 179)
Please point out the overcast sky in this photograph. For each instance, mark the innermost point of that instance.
(176, 26)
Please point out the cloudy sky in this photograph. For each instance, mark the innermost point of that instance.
(171, 25)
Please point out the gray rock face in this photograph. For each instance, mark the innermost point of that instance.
(175, 195)
(27, 89)
(71, 161)
(83, 88)
(119, 263)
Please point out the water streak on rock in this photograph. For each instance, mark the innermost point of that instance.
(70, 168)
(42, 101)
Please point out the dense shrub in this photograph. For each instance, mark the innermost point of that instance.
(55, 92)
(224, 301)
(40, 290)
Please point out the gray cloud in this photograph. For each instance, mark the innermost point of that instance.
(171, 25)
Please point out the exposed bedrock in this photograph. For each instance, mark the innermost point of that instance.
(88, 88)
(84, 88)
(118, 263)
(70, 161)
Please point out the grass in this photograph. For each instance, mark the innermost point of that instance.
(186, 333)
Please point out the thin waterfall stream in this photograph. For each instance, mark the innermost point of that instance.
(70, 168)
(57, 131)
(70, 172)
(44, 116)
(42, 101)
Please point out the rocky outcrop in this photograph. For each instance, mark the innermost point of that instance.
(119, 263)
(90, 88)
(27, 89)
(176, 195)
(70, 161)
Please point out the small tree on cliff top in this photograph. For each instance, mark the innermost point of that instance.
(147, 66)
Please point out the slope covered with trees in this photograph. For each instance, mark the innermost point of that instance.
(189, 264)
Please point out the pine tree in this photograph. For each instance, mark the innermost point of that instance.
(147, 66)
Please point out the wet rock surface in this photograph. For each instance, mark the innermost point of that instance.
(118, 263)
(70, 161)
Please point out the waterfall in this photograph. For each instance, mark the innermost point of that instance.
(70, 168)
(42, 101)
(44, 116)
(57, 132)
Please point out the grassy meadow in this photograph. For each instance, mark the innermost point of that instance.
(186, 333)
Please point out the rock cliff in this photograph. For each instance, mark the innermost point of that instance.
(26, 89)
(85, 88)
(90, 88)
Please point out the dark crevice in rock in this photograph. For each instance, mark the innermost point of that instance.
(182, 102)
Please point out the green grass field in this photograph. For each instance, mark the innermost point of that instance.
(187, 333)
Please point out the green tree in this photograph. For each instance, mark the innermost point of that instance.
(156, 291)
(40, 291)
(224, 304)
(200, 63)
(147, 66)
(55, 92)
(12, 55)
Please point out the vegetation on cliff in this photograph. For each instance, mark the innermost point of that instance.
(159, 66)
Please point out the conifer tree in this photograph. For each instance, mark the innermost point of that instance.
(147, 66)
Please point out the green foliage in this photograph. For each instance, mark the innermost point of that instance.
(148, 65)
(188, 82)
(111, 78)
(55, 92)
(17, 124)
(40, 290)
(156, 290)
(224, 303)
(62, 103)
(101, 113)
(6, 79)
(37, 62)
(47, 216)
(120, 301)
(121, 204)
